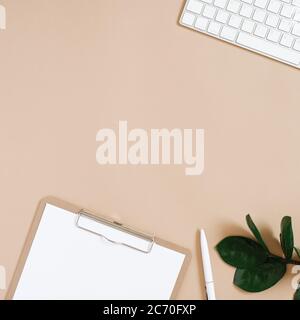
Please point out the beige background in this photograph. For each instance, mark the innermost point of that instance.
(69, 68)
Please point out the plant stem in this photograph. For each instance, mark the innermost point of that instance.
(293, 262)
(286, 261)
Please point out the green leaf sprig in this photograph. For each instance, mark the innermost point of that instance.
(257, 269)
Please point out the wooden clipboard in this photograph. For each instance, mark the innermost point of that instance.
(79, 211)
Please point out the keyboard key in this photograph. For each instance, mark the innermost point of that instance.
(195, 6)
(296, 29)
(246, 11)
(296, 3)
(261, 31)
(214, 28)
(274, 6)
(297, 16)
(274, 35)
(209, 12)
(261, 3)
(248, 26)
(259, 15)
(297, 45)
(201, 23)
(287, 40)
(188, 19)
(287, 11)
(285, 25)
(228, 33)
(268, 48)
(235, 21)
(272, 20)
(269, 27)
(222, 16)
(221, 3)
(233, 6)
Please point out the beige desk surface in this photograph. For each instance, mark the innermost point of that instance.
(69, 68)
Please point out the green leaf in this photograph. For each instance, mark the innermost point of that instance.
(297, 295)
(256, 232)
(261, 277)
(297, 251)
(241, 252)
(287, 237)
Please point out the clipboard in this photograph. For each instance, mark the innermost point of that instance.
(91, 243)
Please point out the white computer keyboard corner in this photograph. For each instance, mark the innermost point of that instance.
(268, 27)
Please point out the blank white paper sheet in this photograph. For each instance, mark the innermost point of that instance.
(66, 262)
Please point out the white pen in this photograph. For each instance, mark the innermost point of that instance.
(208, 275)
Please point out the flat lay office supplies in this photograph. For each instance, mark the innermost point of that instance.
(268, 27)
(207, 268)
(72, 254)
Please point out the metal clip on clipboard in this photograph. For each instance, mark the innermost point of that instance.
(119, 234)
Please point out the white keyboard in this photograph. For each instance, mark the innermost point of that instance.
(268, 27)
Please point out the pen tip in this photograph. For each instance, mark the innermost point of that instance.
(203, 235)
